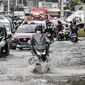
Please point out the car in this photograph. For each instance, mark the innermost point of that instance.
(22, 36)
(37, 22)
(4, 42)
(5, 22)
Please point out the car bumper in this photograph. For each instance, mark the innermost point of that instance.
(23, 46)
(20, 45)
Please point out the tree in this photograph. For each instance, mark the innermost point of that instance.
(72, 4)
(83, 1)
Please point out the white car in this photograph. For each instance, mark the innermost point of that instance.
(37, 22)
(5, 22)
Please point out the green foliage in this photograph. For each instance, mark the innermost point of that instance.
(72, 4)
(66, 7)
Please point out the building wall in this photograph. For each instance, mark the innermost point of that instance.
(1, 6)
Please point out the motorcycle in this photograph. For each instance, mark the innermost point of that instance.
(40, 60)
(66, 35)
(60, 36)
(74, 38)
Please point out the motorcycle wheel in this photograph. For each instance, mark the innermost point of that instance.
(75, 40)
(20, 48)
(37, 68)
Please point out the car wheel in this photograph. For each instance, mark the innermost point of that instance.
(13, 47)
(5, 50)
(20, 48)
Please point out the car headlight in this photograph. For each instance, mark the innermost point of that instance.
(13, 39)
(2, 43)
(29, 42)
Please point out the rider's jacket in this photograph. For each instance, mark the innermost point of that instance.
(39, 40)
(74, 29)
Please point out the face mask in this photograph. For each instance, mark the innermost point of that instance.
(38, 32)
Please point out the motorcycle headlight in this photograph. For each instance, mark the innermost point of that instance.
(39, 53)
(44, 52)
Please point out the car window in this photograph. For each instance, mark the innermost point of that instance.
(26, 29)
(2, 33)
(81, 25)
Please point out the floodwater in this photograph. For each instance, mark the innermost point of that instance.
(67, 62)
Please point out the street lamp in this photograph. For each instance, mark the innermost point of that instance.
(22, 3)
(16, 3)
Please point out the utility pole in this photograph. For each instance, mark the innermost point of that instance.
(22, 3)
(62, 11)
(8, 6)
(44, 3)
(16, 3)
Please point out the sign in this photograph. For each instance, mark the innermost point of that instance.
(30, 4)
(45, 4)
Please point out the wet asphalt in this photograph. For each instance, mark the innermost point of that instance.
(67, 61)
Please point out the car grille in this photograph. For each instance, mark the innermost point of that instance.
(24, 39)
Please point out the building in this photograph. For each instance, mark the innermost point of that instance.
(1, 6)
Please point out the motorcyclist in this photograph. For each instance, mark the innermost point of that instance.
(59, 26)
(49, 28)
(59, 31)
(74, 29)
(39, 40)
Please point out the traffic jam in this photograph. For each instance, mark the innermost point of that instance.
(39, 49)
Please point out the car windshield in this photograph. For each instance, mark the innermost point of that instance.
(23, 29)
(37, 22)
(6, 25)
(34, 22)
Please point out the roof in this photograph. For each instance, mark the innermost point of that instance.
(27, 25)
(4, 20)
(38, 9)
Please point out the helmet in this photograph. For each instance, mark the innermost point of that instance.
(59, 22)
(39, 27)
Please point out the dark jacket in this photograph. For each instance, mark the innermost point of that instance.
(39, 40)
(60, 27)
(74, 29)
(49, 30)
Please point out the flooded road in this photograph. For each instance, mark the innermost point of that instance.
(67, 63)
